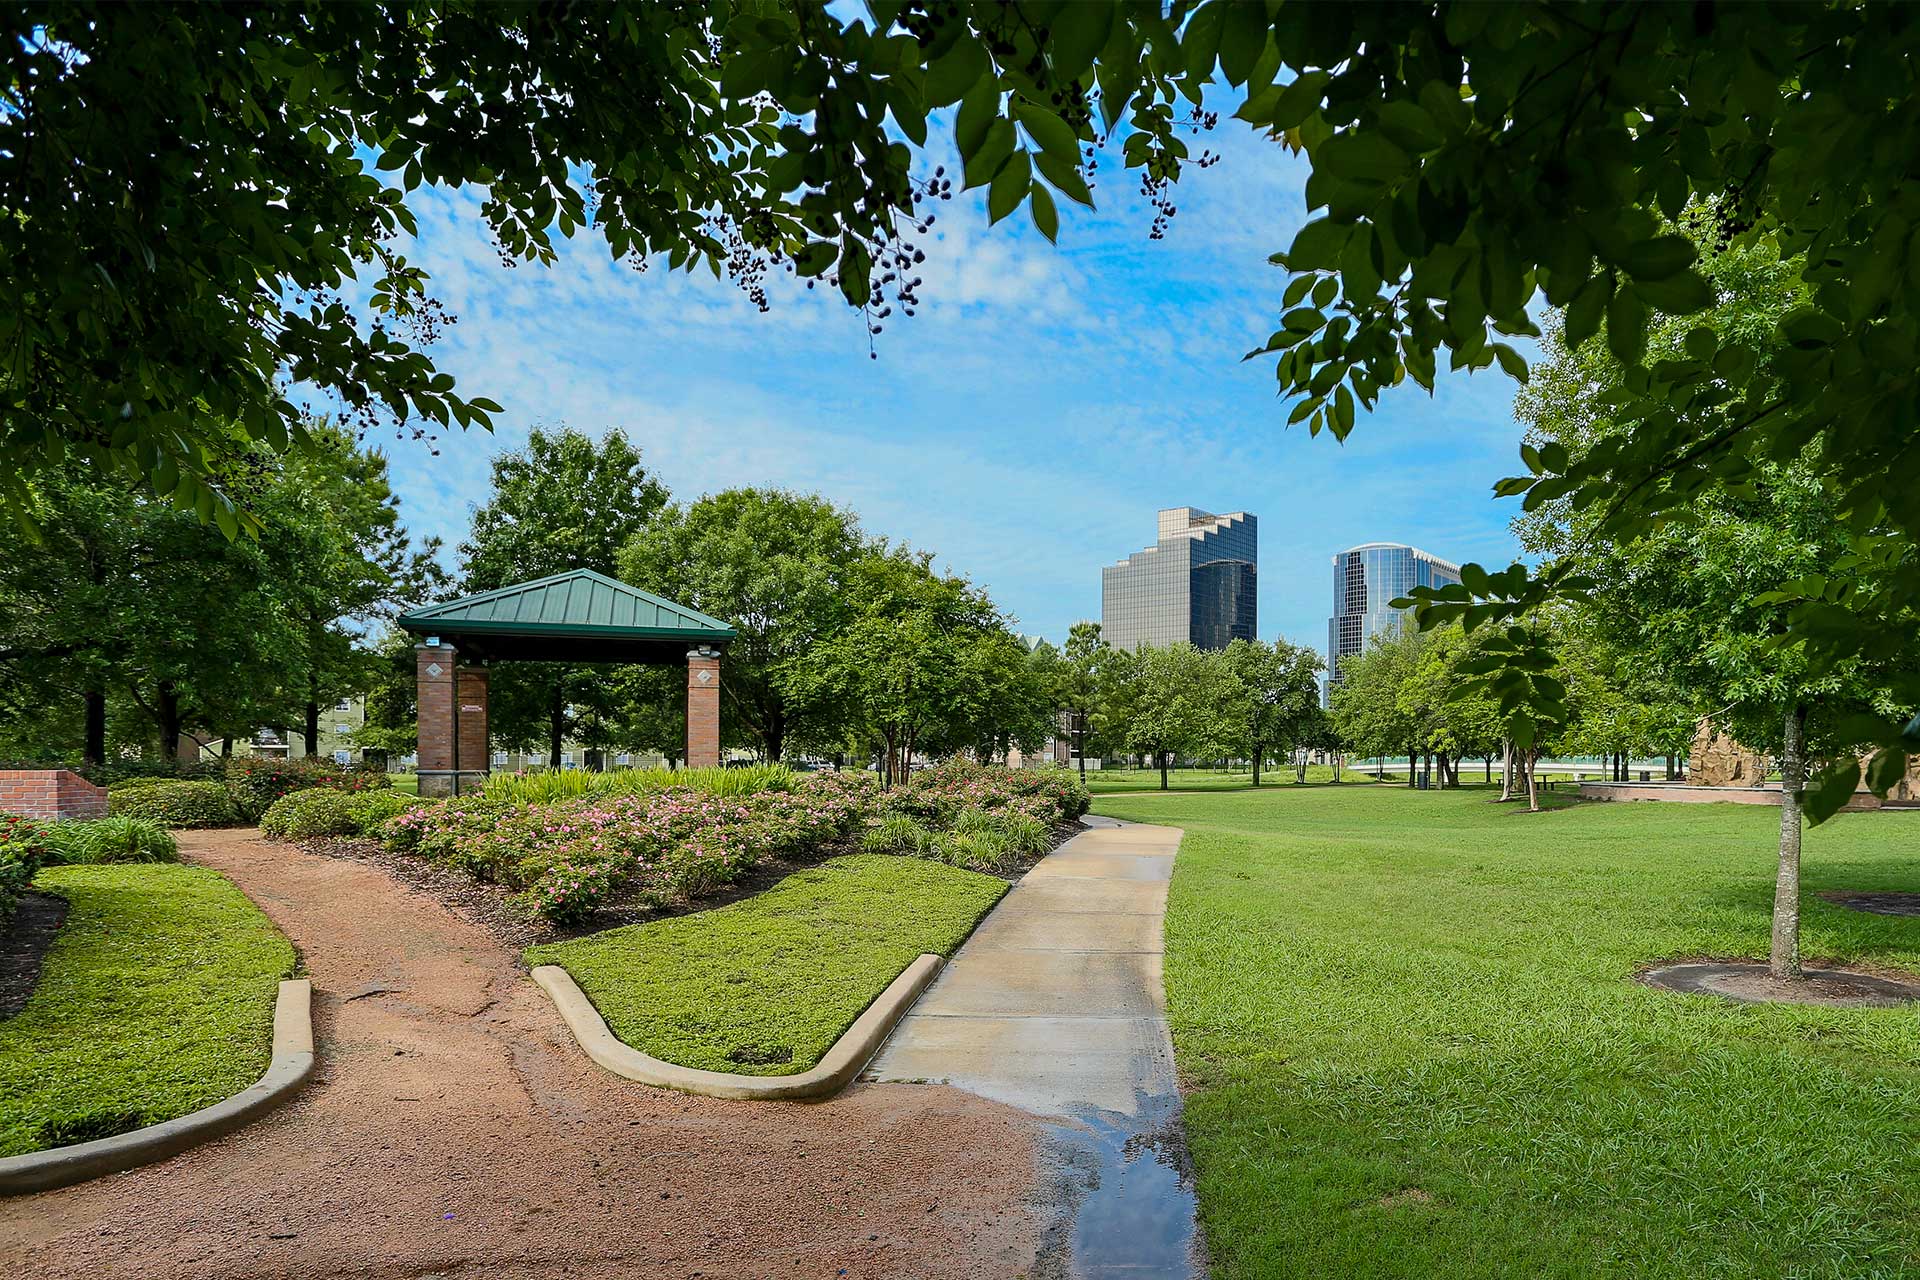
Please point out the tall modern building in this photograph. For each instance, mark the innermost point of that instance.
(1197, 583)
(1366, 580)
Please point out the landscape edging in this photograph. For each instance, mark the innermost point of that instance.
(292, 1063)
(856, 1045)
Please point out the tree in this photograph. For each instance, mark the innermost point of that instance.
(564, 502)
(1694, 605)
(1469, 158)
(1082, 662)
(1173, 701)
(1277, 696)
(780, 568)
(926, 661)
(117, 599)
(1367, 709)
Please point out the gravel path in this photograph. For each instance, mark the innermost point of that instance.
(453, 1129)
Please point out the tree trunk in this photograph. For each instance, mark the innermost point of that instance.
(226, 751)
(1162, 757)
(556, 725)
(1489, 764)
(311, 731)
(1080, 740)
(94, 750)
(1784, 961)
(1670, 772)
(1258, 751)
(166, 706)
(1506, 770)
(1338, 760)
(1413, 768)
(1533, 786)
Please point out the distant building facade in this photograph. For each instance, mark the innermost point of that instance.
(1366, 581)
(1197, 583)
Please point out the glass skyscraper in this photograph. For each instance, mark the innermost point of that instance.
(1365, 582)
(1197, 584)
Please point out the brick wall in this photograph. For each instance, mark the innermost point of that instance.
(703, 709)
(50, 793)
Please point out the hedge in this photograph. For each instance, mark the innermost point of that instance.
(176, 804)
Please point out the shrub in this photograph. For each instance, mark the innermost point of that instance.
(111, 839)
(175, 804)
(548, 786)
(257, 781)
(573, 854)
(322, 811)
(23, 848)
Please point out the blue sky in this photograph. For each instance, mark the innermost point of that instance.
(1024, 426)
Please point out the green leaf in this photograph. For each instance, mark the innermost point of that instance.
(978, 111)
(1054, 135)
(1658, 258)
(955, 73)
(1080, 31)
(1886, 769)
(1009, 187)
(1409, 126)
(1626, 327)
(1318, 245)
(1361, 157)
(1045, 216)
(1831, 788)
(993, 152)
(1243, 38)
(1065, 178)
(1680, 295)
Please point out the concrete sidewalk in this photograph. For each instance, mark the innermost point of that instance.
(1056, 1005)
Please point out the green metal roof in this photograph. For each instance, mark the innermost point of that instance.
(581, 615)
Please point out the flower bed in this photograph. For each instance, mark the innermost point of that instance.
(571, 856)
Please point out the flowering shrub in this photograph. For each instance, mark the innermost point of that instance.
(322, 811)
(572, 854)
(22, 848)
(174, 804)
(257, 781)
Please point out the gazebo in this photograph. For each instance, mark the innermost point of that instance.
(580, 616)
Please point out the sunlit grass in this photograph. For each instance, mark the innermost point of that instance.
(1413, 1047)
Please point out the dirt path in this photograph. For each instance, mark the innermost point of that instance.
(453, 1129)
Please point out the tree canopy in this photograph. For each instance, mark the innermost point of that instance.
(1468, 161)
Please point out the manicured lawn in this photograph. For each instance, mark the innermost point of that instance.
(1412, 1047)
(1100, 781)
(764, 986)
(407, 783)
(156, 999)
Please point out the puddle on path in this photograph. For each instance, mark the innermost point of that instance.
(1125, 1196)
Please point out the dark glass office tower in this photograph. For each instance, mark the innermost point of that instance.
(1198, 583)
(1365, 582)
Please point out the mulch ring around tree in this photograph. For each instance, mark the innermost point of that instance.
(1749, 982)
(1880, 904)
(24, 941)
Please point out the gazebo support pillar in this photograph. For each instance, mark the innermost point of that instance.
(453, 721)
(703, 707)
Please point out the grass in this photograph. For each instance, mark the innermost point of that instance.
(156, 999)
(764, 986)
(1103, 781)
(409, 783)
(1413, 1048)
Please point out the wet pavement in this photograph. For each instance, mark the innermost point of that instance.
(1056, 1005)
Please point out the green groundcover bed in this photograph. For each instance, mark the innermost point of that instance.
(155, 1000)
(1271, 775)
(1413, 1047)
(764, 986)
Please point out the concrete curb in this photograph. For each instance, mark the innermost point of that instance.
(841, 1064)
(291, 1065)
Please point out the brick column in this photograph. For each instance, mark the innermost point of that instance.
(703, 708)
(434, 666)
(474, 761)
